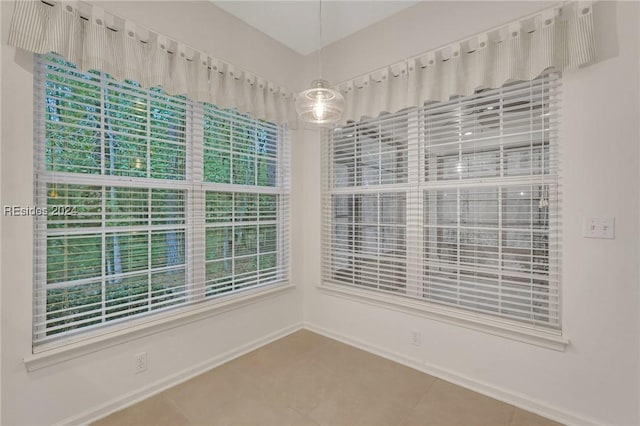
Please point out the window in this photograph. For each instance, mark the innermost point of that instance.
(242, 227)
(153, 201)
(454, 204)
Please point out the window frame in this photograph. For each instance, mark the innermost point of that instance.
(198, 304)
(547, 336)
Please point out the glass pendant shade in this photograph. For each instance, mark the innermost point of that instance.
(320, 104)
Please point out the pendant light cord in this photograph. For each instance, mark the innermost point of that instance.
(320, 39)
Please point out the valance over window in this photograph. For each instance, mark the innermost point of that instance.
(559, 38)
(91, 38)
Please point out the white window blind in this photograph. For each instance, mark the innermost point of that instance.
(455, 204)
(245, 239)
(153, 202)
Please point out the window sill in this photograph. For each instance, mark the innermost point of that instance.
(544, 338)
(54, 355)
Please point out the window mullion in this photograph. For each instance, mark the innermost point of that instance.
(413, 209)
(196, 230)
(430, 176)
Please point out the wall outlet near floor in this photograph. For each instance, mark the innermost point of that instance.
(140, 362)
(415, 337)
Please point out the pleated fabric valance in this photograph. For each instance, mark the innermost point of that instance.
(93, 39)
(559, 38)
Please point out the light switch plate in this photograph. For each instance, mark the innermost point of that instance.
(599, 227)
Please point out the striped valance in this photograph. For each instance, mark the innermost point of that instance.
(94, 39)
(559, 38)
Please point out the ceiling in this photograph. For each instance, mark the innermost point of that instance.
(295, 23)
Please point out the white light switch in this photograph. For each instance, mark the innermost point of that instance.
(599, 227)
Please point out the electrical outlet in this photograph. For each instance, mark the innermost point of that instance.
(415, 337)
(140, 362)
(599, 227)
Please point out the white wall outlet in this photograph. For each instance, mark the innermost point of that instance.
(415, 337)
(599, 227)
(140, 362)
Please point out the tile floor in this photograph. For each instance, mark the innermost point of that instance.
(307, 379)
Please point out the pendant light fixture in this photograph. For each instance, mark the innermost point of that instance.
(320, 104)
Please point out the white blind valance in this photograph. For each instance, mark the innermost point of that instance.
(559, 38)
(94, 39)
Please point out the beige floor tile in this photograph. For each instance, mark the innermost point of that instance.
(525, 418)
(227, 396)
(253, 411)
(449, 405)
(351, 405)
(341, 358)
(341, 408)
(302, 342)
(374, 372)
(206, 397)
(157, 411)
(379, 399)
(271, 360)
(303, 386)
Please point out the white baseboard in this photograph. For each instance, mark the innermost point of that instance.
(504, 395)
(147, 391)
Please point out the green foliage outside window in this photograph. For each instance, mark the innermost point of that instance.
(123, 250)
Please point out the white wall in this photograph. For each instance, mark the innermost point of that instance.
(597, 378)
(84, 384)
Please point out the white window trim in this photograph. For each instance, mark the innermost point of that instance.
(136, 329)
(474, 321)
